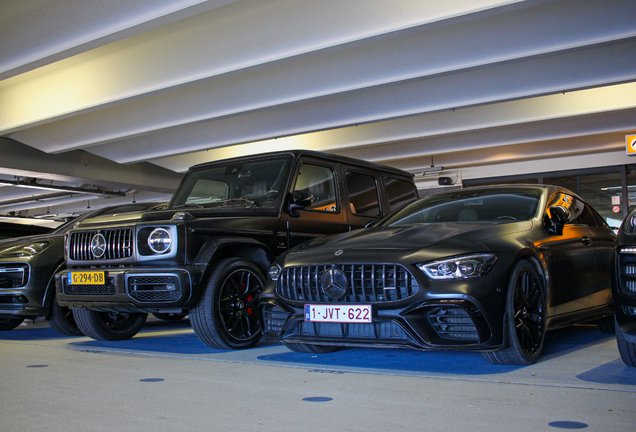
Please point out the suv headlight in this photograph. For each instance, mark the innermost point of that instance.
(160, 240)
(461, 267)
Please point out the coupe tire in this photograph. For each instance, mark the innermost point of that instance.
(310, 349)
(606, 325)
(225, 316)
(62, 320)
(109, 326)
(9, 323)
(525, 318)
(626, 348)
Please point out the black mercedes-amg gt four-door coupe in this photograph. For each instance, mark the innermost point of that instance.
(488, 268)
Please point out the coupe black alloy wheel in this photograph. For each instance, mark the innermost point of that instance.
(226, 317)
(529, 312)
(525, 318)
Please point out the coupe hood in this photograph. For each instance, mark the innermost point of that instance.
(414, 237)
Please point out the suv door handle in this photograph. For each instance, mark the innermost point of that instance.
(586, 240)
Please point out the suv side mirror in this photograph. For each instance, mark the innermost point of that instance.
(298, 200)
(557, 218)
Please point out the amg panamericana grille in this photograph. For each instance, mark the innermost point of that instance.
(119, 244)
(369, 283)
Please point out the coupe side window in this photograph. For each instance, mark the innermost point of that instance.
(580, 214)
(363, 194)
(320, 182)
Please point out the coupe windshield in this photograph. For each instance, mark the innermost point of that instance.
(470, 206)
(238, 186)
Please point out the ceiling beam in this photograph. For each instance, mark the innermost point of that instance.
(80, 167)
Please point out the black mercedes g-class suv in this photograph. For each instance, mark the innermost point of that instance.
(206, 254)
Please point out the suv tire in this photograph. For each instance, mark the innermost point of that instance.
(226, 316)
(109, 326)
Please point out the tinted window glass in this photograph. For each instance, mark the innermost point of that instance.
(363, 194)
(580, 213)
(320, 182)
(400, 192)
(503, 205)
(235, 187)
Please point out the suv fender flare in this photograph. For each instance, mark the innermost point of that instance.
(249, 249)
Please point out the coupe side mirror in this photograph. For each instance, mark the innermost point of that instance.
(558, 216)
(299, 200)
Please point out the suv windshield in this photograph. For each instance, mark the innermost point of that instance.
(470, 206)
(243, 185)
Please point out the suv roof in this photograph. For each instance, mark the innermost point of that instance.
(317, 154)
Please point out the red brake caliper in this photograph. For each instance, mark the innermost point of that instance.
(249, 299)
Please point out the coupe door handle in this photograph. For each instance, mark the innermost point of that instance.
(586, 241)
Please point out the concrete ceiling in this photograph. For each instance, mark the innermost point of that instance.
(106, 102)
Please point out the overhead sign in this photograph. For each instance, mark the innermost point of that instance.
(630, 142)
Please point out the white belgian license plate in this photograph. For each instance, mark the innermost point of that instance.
(87, 278)
(338, 313)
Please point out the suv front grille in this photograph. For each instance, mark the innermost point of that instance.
(368, 283)
(118, 244)
(90, 289)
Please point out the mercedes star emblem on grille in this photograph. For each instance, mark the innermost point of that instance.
(98, 245)
(334, 283)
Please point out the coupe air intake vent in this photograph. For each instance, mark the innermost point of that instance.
(453, 323)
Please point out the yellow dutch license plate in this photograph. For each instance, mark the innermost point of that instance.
(87, 278)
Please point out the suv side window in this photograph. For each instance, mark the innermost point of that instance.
(400, 192)
(363, 194)
(320, 182)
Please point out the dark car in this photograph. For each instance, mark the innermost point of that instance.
(207, 253)
(27, 267)
(11, 227)
(489, 269)
(624, 289)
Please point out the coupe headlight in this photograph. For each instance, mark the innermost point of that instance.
(462, 267)
(160, 240)
(27, 250)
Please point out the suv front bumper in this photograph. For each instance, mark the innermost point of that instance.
(130, 290)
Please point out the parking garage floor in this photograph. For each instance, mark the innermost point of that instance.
(165, 379)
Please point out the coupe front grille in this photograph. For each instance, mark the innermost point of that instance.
(454, 323)
(388, 332)
(368, 283)
(118, 244)
(627, 272)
